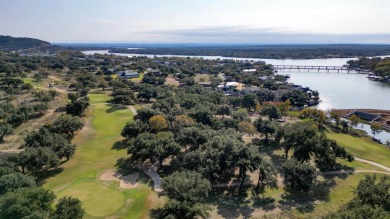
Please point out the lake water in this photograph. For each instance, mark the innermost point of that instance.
(337, 90)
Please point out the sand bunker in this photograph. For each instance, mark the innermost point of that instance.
(126, 182)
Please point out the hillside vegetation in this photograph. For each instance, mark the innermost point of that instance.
(17, 43)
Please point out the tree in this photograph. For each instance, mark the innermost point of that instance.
(123, 96)
(224, 110)
(73, 96)
(102, 84)
(148, 146)
(371, 200)
(147, 93)
(77, 107)
(345, 125)
(267, 175)
(284, 107)
(249, 101)
(295, 135)
(235, 101)
(246, 159)
(265, 95)
(68, 208)
(214, 158)
(13, 181)
(247, 128)
(240, 115)
(265, 127)
(7, 109)
(182, 121)
(185, 190)
(374, 192)
(158, 123)
(318, 116)
(26, 203)
(297, 175)
(54, 141)
(5, 129)
(334, 115)
(296, 97)
(67, 125)
(271, 111)
(375, 129)
(203, 115)
(174, 209)
(325, 151)
(144, 114)
(133, 129)
(354, 120)
(193, 137)
(38, 159)
(186, 186)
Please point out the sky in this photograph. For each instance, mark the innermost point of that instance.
(198, 21)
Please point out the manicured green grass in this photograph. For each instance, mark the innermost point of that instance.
(94, 203)
(338, 195)
(99, 149)
(363, 148)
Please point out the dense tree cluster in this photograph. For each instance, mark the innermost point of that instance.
(21, 198)
(269, 51)
(79, 102)
(46, 147)
(201, 131)
(380, 66)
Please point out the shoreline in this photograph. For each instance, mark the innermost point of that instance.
(383, 121)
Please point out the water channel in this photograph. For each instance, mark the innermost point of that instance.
(337, 90)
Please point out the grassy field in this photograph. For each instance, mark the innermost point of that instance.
(98, 149)
(139, 79)
(327, 196)
(363, 148)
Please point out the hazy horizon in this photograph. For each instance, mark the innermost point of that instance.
(245, 22)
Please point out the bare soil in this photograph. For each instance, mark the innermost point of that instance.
(170, 80)
(126, 182)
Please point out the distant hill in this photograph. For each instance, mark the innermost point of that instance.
(18, 43)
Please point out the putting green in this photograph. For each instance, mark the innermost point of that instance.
(98, 200)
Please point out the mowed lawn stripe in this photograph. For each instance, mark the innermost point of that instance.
(94, 155)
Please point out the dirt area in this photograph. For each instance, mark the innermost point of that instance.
(170, 80)
(202, 78)
(16, 140)
(126, 182)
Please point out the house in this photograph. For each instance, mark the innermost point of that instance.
(230, 88)
(126, 64)
(251, 89)
(265, 78)
(249, 70)
(155, 72)
(110, 70)
(206, 84)
(128, 74)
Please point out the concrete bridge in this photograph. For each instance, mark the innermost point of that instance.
(312, 68)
